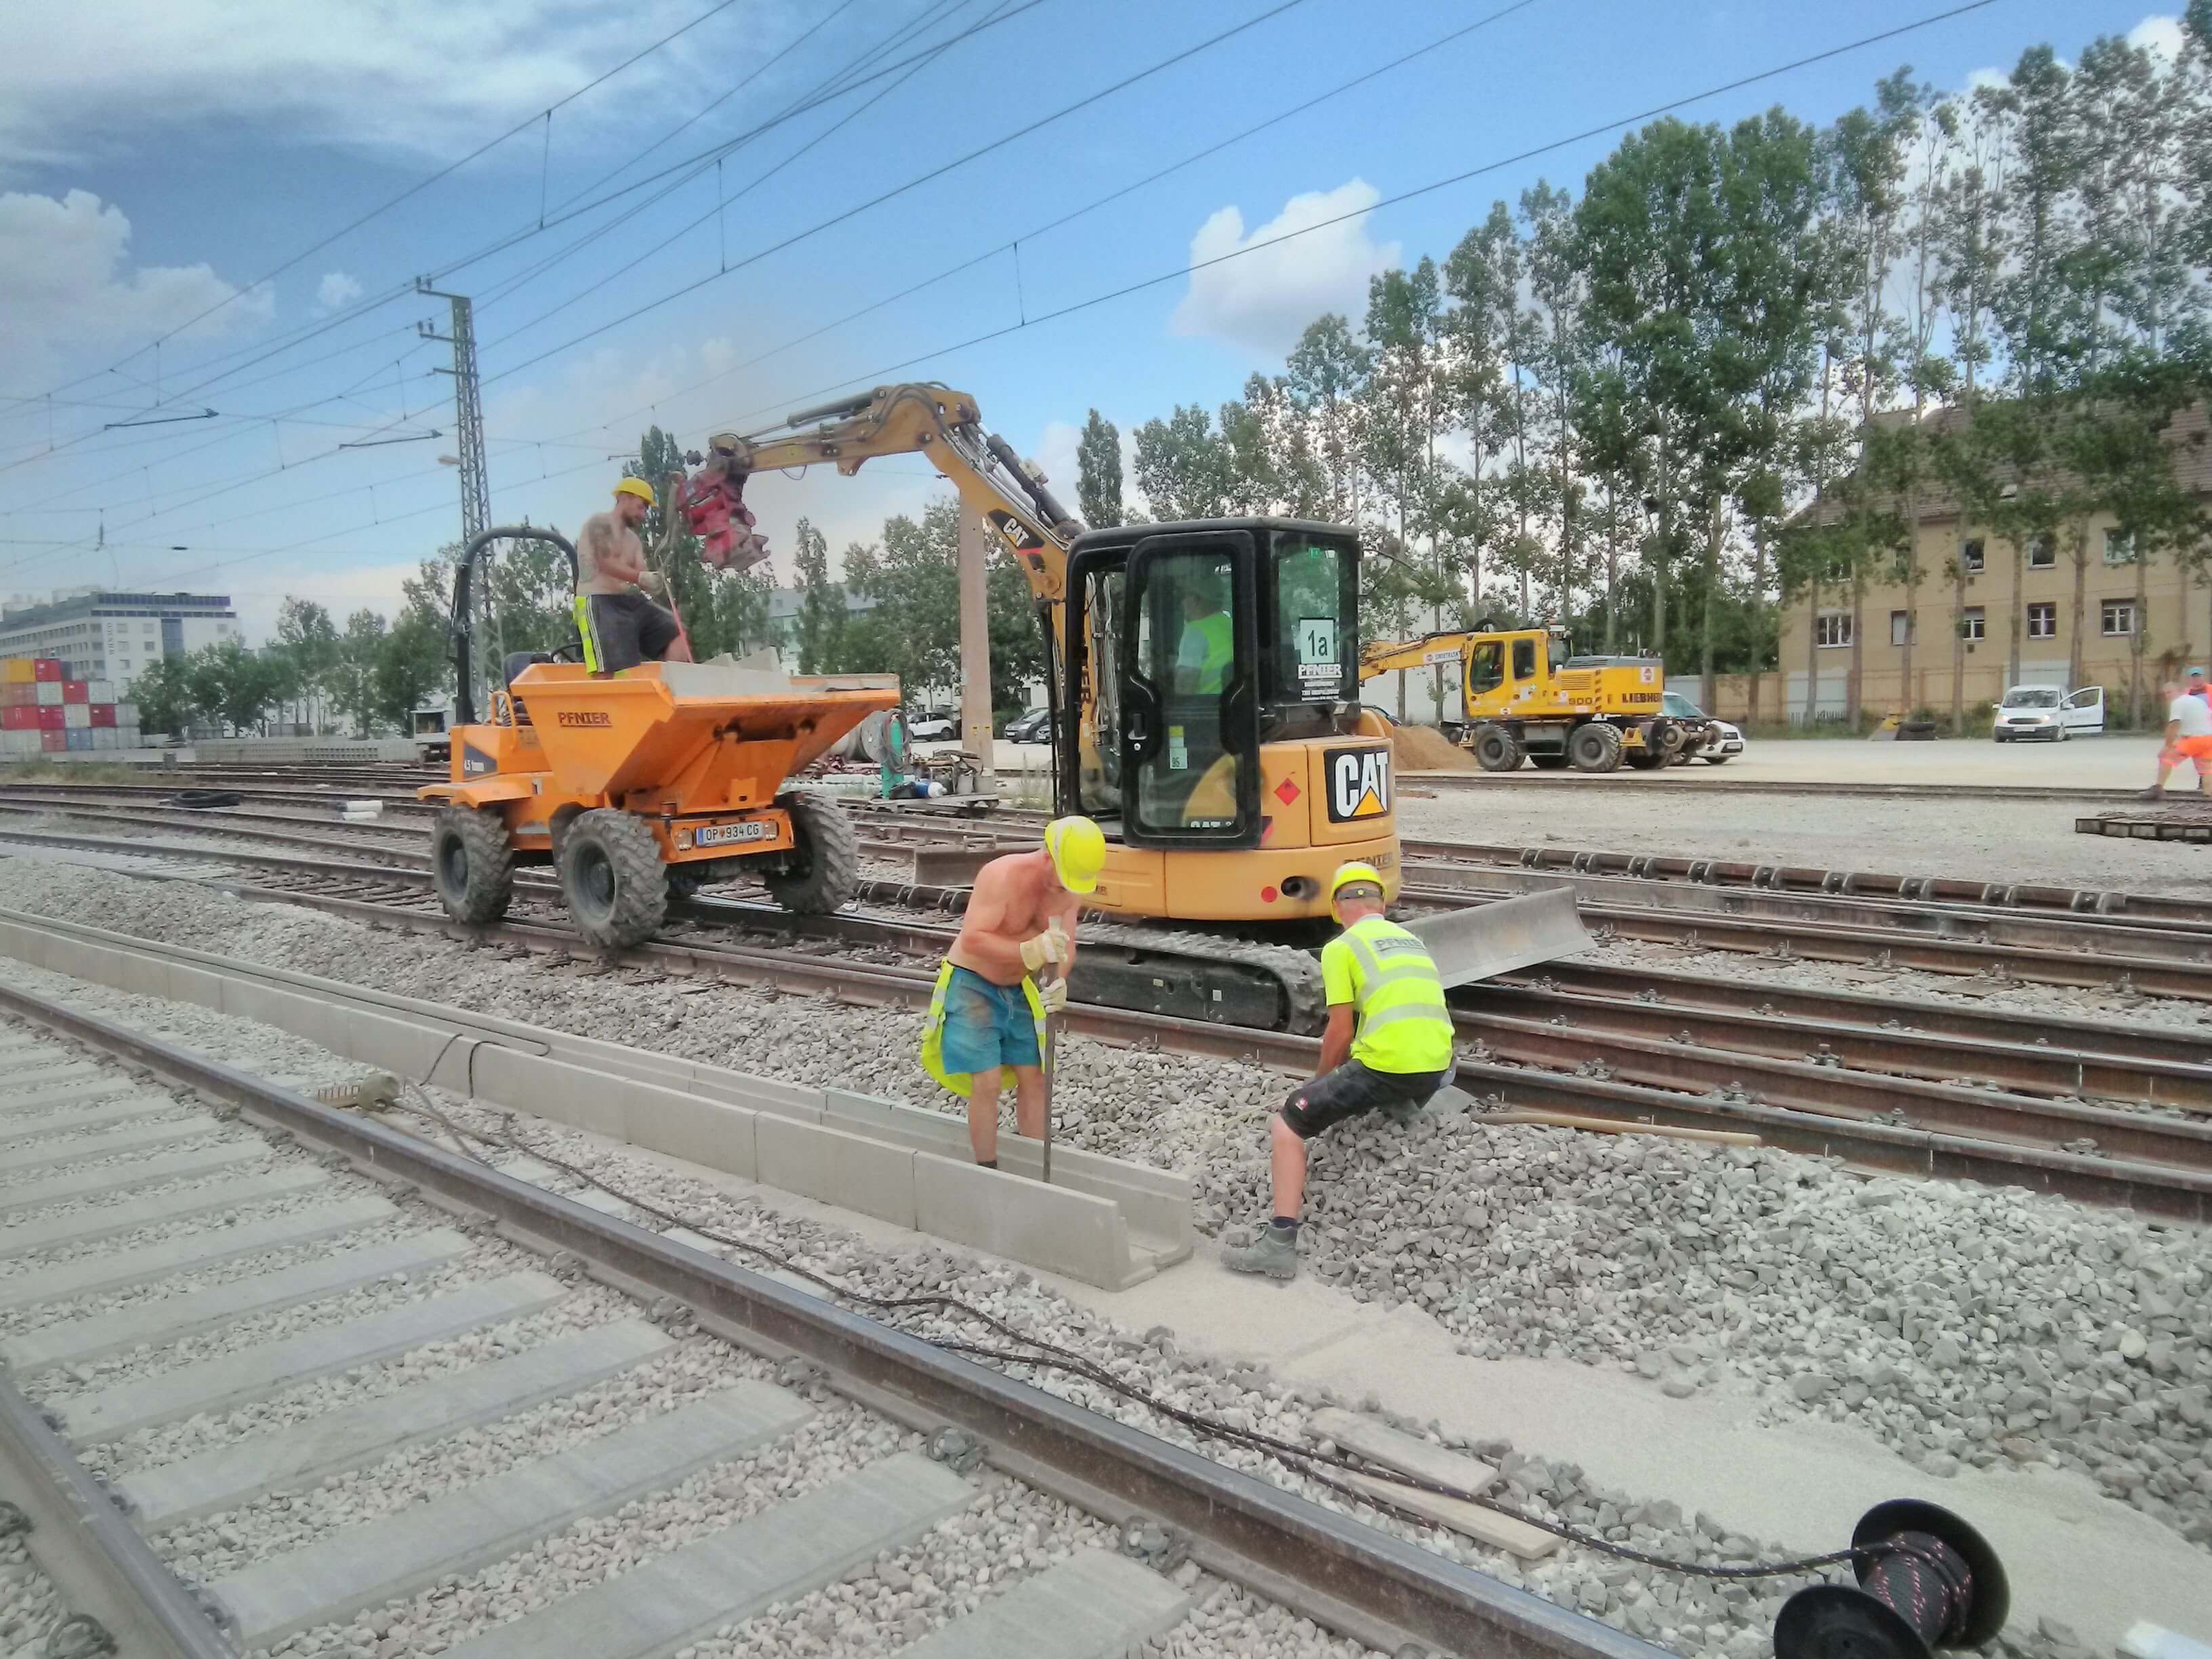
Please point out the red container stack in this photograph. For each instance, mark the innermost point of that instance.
(52, 717)
(46, 668)
(75, 691)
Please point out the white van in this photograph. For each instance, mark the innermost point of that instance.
(2045, 712)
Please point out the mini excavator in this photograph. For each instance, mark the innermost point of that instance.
(1203, 678)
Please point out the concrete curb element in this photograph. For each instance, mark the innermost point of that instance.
(111, 1271)
(130, 1215)
(796, 1547)
(396, 1554)
(849, 1150)
(1096, 1605)
(212, 1384)
(155, 1323)
(224, 1477)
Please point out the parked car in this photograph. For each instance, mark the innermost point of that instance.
(931, 725)
(1724, 742)
(2048, 714)
(1036, 727)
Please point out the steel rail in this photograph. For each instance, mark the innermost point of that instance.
(1349, 1576)
(1705, 782)
(99, 1565)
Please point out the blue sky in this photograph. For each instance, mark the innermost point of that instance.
(161, 157)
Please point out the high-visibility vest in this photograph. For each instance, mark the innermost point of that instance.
(1220, 650)
(932, 1030)
(1405, 1025)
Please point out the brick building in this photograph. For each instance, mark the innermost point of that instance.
(2149, 619)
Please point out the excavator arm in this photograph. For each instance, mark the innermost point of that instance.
(1382, 656)
(946, 427)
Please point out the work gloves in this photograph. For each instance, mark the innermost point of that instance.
(1053, 994)
(1050, 946)
(652, 583)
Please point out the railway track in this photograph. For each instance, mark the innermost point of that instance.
(398, 1394)
(2105, 1113)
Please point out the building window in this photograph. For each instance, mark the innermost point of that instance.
(2042, 553)
(2119, 616)
(2119, 547)
(1900, 627)
(1970, 555)
(1833, 628)
(2043, 622)
(1970, 624)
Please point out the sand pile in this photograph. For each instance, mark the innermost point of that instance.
(1424, 749)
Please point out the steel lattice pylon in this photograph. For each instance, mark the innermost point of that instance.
(468, 409)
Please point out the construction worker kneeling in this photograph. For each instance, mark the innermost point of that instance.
(1387, 1047)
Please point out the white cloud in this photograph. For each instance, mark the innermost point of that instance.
(1055, 456)
(336, 290)
(1262, 301)
(341, 592)
(2161, 32)
(67, 287)
(426, 76)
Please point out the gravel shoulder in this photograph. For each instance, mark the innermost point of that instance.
(1975, 840)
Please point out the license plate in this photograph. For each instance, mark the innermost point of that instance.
(723, 835)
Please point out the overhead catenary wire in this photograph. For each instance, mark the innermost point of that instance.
(1463, 176)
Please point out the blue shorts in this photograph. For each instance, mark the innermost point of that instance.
(986, 1025)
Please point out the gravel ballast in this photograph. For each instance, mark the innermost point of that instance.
(1980, 1325)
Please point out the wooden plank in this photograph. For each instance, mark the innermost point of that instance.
(1380, 1443)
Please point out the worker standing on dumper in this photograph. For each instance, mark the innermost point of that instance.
(989, 1013)
(620, 627)
(1387, 1047)
(2188, 737)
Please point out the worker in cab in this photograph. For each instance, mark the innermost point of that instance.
(1006, 975)
(1208, 647)
(1387, 1047)
(620, 627)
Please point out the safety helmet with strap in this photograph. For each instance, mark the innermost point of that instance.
(639, 488)
(1355, 873)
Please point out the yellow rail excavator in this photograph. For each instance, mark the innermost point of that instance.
(1203, 684)
(1522, 698)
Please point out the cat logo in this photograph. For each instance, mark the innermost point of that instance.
(1358, 784)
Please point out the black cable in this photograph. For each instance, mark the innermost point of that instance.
(1050, 1356)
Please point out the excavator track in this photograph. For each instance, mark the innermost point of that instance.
(1220, 977)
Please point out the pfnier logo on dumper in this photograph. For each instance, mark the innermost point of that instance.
(586, 717)
(1358, 784)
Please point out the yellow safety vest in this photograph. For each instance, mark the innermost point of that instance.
(932, 1030)
(1405, 1025)
(1220, 650)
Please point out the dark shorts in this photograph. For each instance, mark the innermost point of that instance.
(986, 1025)
(1351, 1090)
(630, 629)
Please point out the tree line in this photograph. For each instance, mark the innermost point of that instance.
(1710, 385)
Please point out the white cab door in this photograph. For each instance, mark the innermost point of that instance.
(2084, 711)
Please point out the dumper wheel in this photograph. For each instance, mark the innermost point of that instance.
(613, 880)
(1496, 750)
(1594, 746)
(473, 862)
(822, 872)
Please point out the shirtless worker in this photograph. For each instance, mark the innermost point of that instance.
(989, 1012)
(620, 627)
(1388, 1047)
(2188, 737)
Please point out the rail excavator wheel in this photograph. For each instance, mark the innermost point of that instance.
(1594, 746)
(822, 872)
(472, 863)
(1496, 750)
(613, 880)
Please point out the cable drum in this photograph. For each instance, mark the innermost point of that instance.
(880, 740)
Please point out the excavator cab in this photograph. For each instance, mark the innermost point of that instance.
(1212, 669)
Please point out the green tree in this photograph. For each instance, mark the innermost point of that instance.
(410, 668)
(307, 646)
(164, 695)
(1098, 473)
(235, 684)
(1326, 375)
(822, 607)
(353, 681)
(1183, 467)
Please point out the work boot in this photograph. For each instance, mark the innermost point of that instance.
(1404, 1114)
(1275, 1253)
(2154, 792)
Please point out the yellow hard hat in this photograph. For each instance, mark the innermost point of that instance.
(1076, 847)
(1353, 875)
(639, 488)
